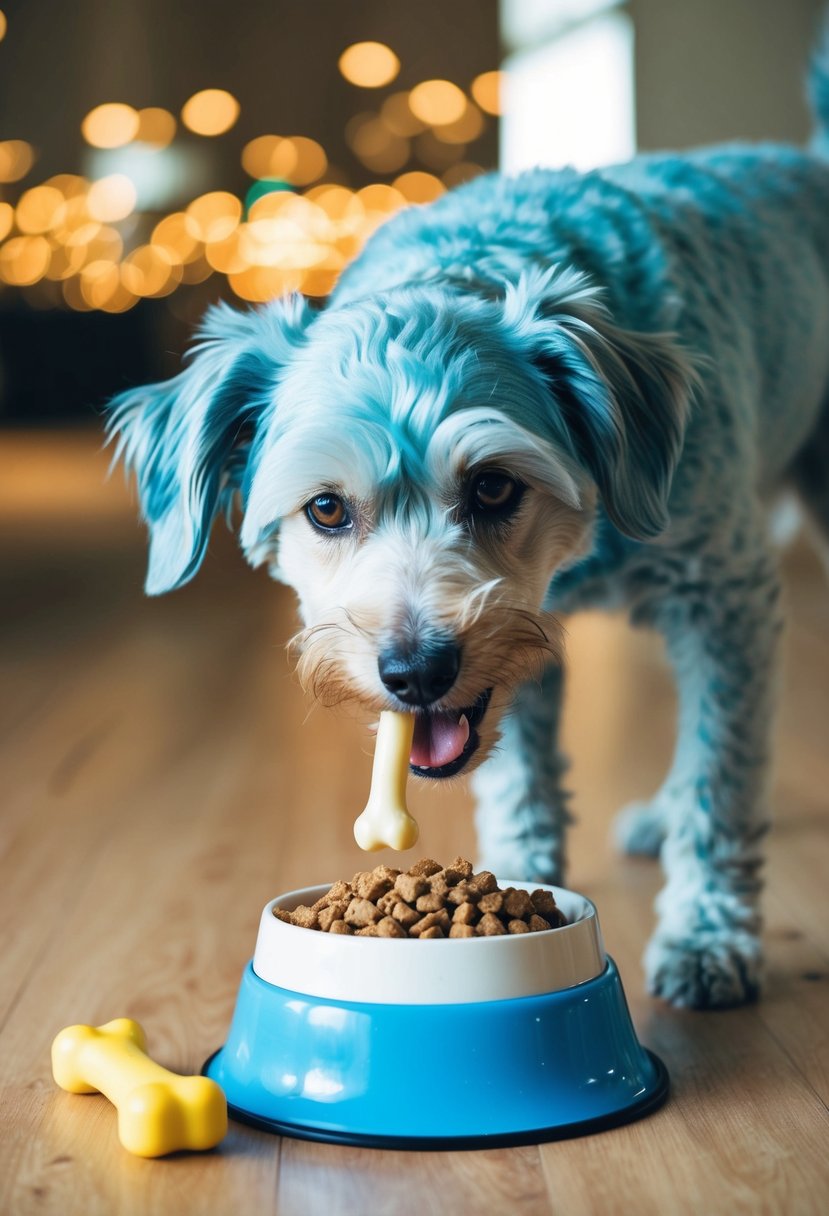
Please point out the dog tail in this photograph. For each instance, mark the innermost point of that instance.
(818, 90)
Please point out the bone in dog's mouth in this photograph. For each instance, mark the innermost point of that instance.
(445, 739)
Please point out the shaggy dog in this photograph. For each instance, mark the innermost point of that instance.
(533, 396)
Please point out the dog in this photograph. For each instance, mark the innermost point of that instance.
(535, 395)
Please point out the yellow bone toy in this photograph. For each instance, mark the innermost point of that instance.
(386, 822)
(158, 1111)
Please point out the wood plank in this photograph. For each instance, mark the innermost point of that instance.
(331, 1180)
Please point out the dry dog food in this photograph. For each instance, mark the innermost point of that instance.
(427, 901)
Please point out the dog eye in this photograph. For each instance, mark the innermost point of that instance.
(494, 493)
(329, 512)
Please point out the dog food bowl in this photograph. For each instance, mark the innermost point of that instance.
(453, 1043)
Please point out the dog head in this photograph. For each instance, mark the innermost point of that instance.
(417, 468)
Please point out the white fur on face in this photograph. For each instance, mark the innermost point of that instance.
(413, 569)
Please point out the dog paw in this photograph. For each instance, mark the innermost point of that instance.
(639, 829)
(713, 969)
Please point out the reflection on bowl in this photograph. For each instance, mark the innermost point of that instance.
(448, 1043)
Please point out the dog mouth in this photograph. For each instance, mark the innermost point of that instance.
(446, 739)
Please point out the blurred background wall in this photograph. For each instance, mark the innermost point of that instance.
(118, 226)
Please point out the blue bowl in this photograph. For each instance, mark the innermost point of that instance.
(555, 1055)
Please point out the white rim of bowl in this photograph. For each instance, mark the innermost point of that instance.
(449, 971)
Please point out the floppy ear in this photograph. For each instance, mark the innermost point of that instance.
(189, 439)
(619, 399)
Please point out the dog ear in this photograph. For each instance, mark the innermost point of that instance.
(620, 399)
(189, 440)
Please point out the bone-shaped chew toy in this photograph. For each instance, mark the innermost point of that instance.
(158, 1111)
(386, 822)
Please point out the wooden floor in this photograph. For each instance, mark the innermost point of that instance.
(162, 778)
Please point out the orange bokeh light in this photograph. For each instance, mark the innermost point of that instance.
(172, 234)
(369, 64)
(6, 220)
(24, 260)
(486, 89)
(40, 209)
(150, 271)
(213, 217)
(16, 159)
(437, 102)
(110, 125)
(156, 127)
(419, 187)
(210, 112)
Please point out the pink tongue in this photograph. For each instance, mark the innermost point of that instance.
(438, 739)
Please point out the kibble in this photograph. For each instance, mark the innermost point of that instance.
(410, 886)
(428, 901)
(362, 912)
(465, 914)
(490, 925)
(518, 904)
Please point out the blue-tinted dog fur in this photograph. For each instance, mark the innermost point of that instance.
(691, 390)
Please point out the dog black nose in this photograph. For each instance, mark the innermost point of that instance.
(422, 675)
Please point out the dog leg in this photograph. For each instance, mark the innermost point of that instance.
(706, 950)
(522, 811)
(640, 827)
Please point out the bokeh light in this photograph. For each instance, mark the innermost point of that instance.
(297, 159)
(213, 217)
(66, 260)
(435, 153)
(3, 25)
(40, 209)
(111, 198)
(256, 155)
(24, 260)
(76, 227)
(486, 89)
(338, 203)
(173, 235)
(100, 281)
(196, 271)
(70, 184)
(419, 187)
(464, 130)
(228, 255)
(436, 102)
(73, 295)
(210, 112)
(106, 245)
(16, 159)
(150, 271)
(262, 283)
(396, 113)
(311, 161)
(110, 125)
(465, 171)
(369, 64)
(378, 147)
(156, 127)
(6, 219)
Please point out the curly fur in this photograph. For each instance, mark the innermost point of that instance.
(647, 348)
